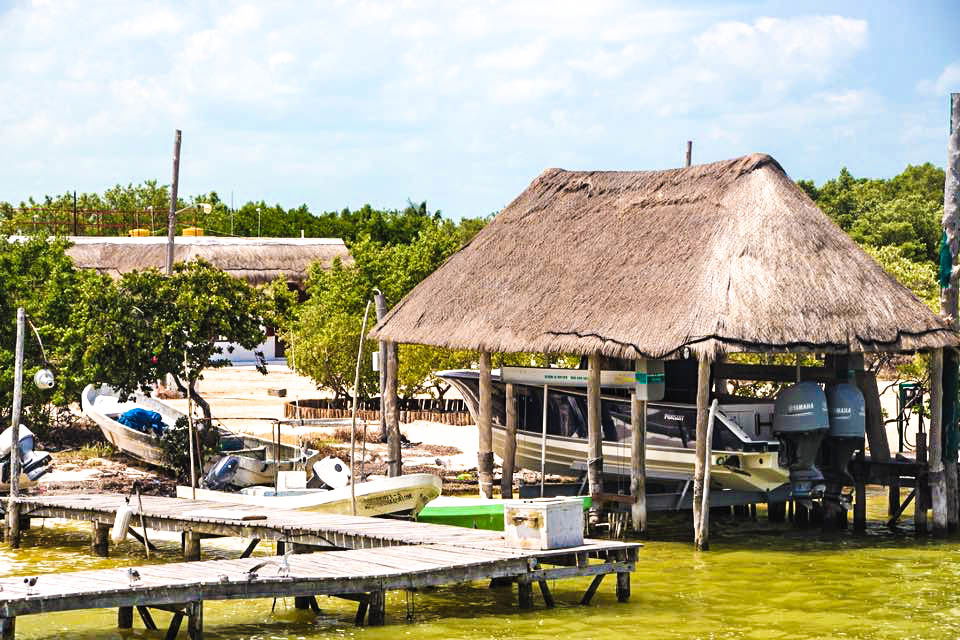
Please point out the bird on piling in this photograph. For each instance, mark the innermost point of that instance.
(31, 583)
(133, 575)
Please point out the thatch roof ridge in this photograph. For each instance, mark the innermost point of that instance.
(726, 256)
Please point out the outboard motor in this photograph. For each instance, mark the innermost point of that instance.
(799, 423)
(32, 463)
(222, 473)
(333, 472)
(847, 428)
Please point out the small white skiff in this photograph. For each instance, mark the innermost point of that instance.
(403, 494)
(257, 457)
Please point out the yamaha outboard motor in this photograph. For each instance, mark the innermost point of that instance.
(32, 463)
(222, 473)
(847, 428)
(799, 423)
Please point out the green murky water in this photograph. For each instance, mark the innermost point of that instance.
(759, 582)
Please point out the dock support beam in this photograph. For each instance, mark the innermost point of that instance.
(8, 628)
(638, 463)
(377, 609)
(99, 539)
(191, 546)
(510, 443)
(194, 612)
(701, 529)
(303, 602)
(485, 429)
(859, 506)
(524, 594)
(594, 437)
(125, 618)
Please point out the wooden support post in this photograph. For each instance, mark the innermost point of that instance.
(301, 602)
(390, 402)
(8, 627)
(281, 547)
(381, 306)
(13, 524)
(893, 496)
(594, 437)
(147, 618)
(919, 501)
(592, 589)
(935, 474)
(547, 596)
(638, 463)
(623, 586)
(860, 506)
(195, 620)
(250, 547)
(510, 443)
(125, 618)
(99, 539)
(525, 594)
(377, 609)
(361, 616)
(701, 529)
(949, 296)
(485, 429)
(174, 627)
(191, 546)
(876, 432)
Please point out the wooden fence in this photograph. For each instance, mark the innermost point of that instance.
(453, 412)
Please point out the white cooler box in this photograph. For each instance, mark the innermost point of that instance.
(543, 523)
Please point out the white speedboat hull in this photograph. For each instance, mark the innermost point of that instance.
(403, 494)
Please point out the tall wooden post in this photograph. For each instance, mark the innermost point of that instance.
(381, 302)
(172, 215)
(510, 443)
(390, 401)
(638, 463)
(594, 437)
(701, 530)
(935, 475)
(485, 428)
(949, 295)
(13, 507)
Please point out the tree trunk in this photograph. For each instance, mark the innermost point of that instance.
(485, 429)
(701, 530)
(594, 438)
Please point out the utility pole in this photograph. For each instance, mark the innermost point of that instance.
(381, 302)
(689, 158)
(943, 472)
(172, 216)
(13, 509)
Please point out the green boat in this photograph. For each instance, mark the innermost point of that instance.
(473, 513)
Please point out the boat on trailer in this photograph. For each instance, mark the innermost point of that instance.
(258, 459)
(745, 450)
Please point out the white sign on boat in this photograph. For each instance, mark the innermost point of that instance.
(649, 380)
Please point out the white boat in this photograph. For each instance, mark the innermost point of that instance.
(745, 452)
(258, 458)
(404, 494)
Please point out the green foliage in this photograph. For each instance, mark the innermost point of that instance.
(902, 212)
(175, 446)
(919, 277)
(323, 333)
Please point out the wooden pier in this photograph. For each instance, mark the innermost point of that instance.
(361, 559)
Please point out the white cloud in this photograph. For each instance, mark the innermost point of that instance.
(949, 80)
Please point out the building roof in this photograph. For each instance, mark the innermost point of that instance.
(722, 257)
(256, 260)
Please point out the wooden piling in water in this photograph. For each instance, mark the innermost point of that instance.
(191, 546)
(99, 539)
(638, 463)
(594, 438)
(701, 529)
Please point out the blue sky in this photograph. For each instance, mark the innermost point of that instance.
(337, 104)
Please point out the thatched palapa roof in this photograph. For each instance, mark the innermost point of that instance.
(727, 256)
(256, 260)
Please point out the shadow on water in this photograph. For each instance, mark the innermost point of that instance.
(759, 581)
